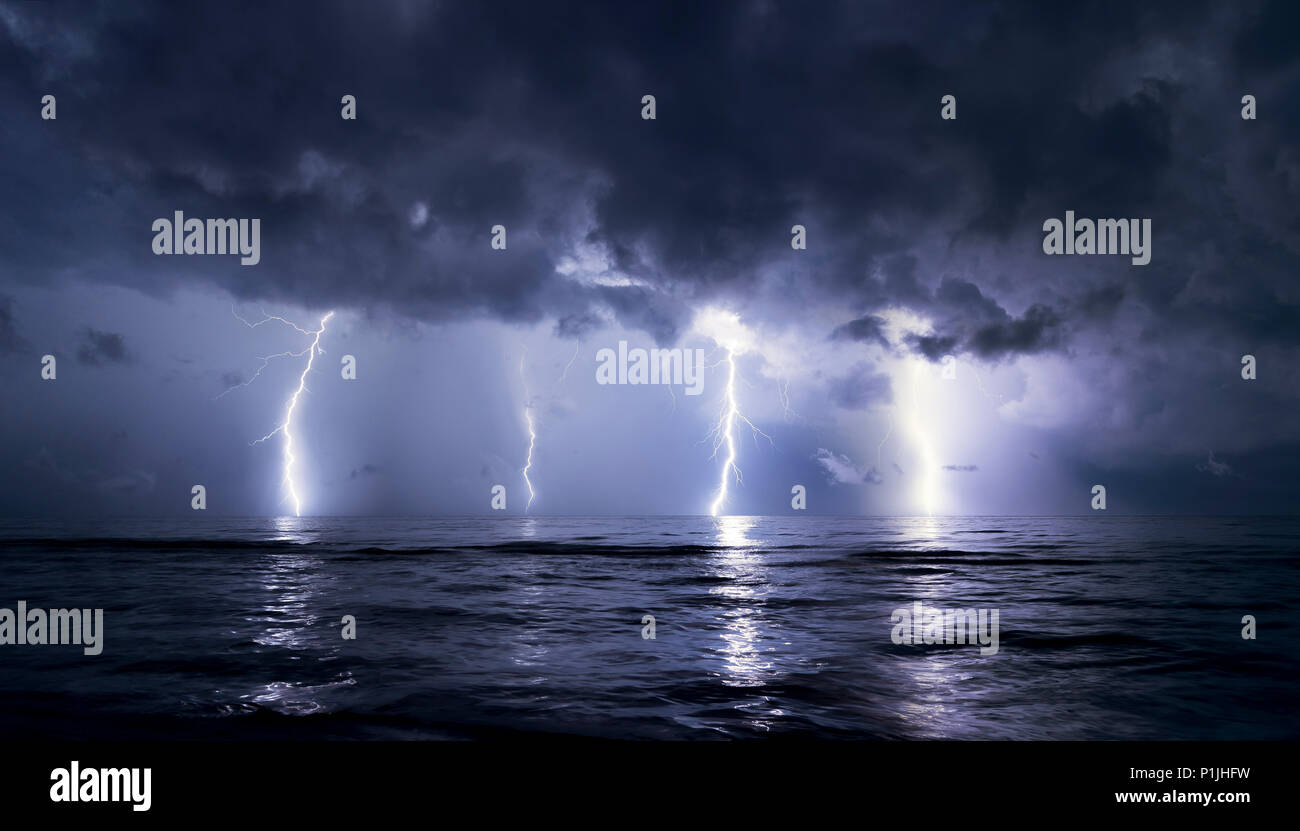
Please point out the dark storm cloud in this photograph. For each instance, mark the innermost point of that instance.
(641, 308)
(577, 326)
(1037, 331)
(963, 297)
(933, 347)
(768, 114)
(866, 329)
(1266, 42)
(972, 322)
(98, 348)
(899, 281)
(1100, 303)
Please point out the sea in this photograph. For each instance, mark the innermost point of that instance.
(674, 628)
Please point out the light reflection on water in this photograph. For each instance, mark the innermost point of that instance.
(528, 527)
(733, 531)
(294, 529)
(745, 661)
(774, 625)
(290, 578)
(528, 599)
(925, 529)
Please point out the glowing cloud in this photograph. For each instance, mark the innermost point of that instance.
(928, 485)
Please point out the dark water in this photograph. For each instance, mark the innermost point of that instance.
(1110, 628)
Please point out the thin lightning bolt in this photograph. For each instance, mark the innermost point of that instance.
(783, 390)
(532, 433)
(723, 432)
(565, 373)
(888, 433)
(287, 424)
(265, 360)
(265, 318)
(528, 415)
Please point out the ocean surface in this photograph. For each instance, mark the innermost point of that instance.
(765, 627)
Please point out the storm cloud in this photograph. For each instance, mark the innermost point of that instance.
(923, 234)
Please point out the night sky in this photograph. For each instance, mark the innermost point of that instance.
(924, 239)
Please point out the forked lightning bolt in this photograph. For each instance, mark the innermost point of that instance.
(286, 426)
(724, 432)
(266, 359)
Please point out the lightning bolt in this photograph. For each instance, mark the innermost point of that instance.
(888, 432)
(285, 427)
(723, 432)
(266, 359)
(528, 415)
(532, 432)
(565, 373)
(783, 391)
(266, 318)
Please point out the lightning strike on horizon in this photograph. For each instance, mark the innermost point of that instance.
(528, 415)
(723, 432)
(285, 426)
(899, 323)
(725, 329)
(532, 432)
(928, 460)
